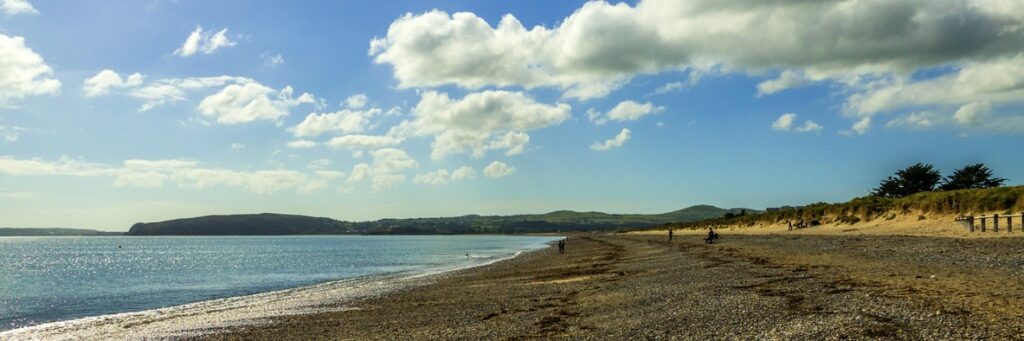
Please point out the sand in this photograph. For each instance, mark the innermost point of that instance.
(781, 285)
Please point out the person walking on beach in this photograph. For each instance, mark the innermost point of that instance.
(561, 246)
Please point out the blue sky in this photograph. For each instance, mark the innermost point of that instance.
(125, 111)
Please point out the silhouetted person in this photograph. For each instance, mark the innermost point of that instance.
(790, 223)
(561, 246)
(669, 235)
(711, 236)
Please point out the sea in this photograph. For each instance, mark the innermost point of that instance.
(48, 279)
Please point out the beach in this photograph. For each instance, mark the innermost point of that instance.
(747, 286)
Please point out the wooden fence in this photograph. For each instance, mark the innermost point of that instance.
(971, 223)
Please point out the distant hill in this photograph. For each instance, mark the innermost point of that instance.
(243, 224)
(281, 224)
(52, 231)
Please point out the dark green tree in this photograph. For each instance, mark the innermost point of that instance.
(914, 179)
(973, 176)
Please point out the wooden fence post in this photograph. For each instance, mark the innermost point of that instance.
(982, 223)
(995, 223)
(970, 223)
(1009, 223)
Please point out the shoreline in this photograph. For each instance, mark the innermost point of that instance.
(193, 319)
(622, 286)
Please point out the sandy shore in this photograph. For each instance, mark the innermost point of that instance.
(768, 286)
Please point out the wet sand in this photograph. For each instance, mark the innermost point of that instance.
(632, 286)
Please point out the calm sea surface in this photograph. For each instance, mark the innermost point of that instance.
(44, 279)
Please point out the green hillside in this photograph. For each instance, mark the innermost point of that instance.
(280, 224)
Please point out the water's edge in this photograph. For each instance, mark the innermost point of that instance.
(211, 316)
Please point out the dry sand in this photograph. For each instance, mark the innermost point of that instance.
(783, 285)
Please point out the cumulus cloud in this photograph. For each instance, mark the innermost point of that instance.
(204, 42)
(624, 111)
(23, 72)
(15, 7)
(786, 123)
(385, 171)
(301, 144)
(344, 121)
(848, 37)
(861, 127)
(102, 82)
(479, 122)
(441, 176)
(248, 102)
(498, 169)
(227, 99)
(357, 101)
(917, 120)
(362, 142)
(615, 142)
(971, 114)
(788, 79)
(155, 173)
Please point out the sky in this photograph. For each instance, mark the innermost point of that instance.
(117, 112)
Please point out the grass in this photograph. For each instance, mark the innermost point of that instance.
(1003, 200)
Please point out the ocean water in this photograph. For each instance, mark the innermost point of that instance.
(46, 279)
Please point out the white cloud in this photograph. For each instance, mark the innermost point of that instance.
(668, 87)
(102, 82)
(441, 176)
(354, 142)
(357, 101)
(301, 144)
(23, 72)
(917, 120)
(271, 59)
(248, 102)
(15, 7)
(498, 169)
(480, 121)
(972, 113)
(438, 177)
(155, 173)
(786, 121)
(860, 127)
(847, 37)
(694, 77)
(386, 169)
(624, 111)
(10, 133)
(788, 79)
(344, 121)
(171, 90)
(462, 173)
(204, 42)
(237, 146)
(619, 140)
(238, 100)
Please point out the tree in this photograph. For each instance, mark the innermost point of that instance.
(973, 176)
(914, 179)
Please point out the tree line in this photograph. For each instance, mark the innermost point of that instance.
(925, 178)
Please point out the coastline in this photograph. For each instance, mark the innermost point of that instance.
(628, 286)
(209, 316)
